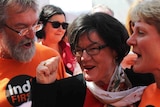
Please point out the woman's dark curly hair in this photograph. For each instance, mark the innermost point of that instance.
(112, 32)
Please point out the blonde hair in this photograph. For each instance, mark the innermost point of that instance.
(128, 18)
(147, 11)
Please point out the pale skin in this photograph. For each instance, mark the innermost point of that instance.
(29, 18)
(146, 44)
(96, 68)
(54, 35)
(25, 22)
(47, 70)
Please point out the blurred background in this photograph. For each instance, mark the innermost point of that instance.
(73, 8)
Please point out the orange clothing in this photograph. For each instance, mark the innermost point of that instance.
(151, 96)
(15, 77)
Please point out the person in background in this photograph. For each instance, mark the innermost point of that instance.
(19, 54)
(145, 40)
(102, 8)
(91, 38)
(53, 33)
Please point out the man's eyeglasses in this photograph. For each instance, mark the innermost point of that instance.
(26, 31)
(90, 50)
(56, 24)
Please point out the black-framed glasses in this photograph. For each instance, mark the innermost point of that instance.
(56, 24)
(26, 31)
(91, 50)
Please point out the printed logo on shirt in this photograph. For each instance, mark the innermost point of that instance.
(17, 89)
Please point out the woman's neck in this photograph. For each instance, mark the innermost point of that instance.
(102, 85)
(106, 80)
(157, 78)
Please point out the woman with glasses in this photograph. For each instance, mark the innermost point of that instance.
(98, 42)
(53, 33)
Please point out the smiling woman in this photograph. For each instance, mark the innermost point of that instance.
(91, 38)
(95, 33)
(53, 34)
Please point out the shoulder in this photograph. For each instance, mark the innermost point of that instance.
(43, 53)
(151, 96)
(41, 49)
(151, 91)
(151, 88)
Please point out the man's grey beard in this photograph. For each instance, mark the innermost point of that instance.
(23, 55)
(18, 52)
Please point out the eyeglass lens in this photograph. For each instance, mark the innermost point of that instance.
(56, 24)
(25, 31)
(89, 50)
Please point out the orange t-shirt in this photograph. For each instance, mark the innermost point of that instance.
(151, 96)
(15, 77)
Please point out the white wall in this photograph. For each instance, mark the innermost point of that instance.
(73, 8)
(42, 3)
(120, 7)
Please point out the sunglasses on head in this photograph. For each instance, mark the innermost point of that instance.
(56, 24)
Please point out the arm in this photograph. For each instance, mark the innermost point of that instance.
(46, 91)
(68, 92)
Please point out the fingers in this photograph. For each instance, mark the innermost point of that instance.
(47, 70)
(51, 64)
(128, 61)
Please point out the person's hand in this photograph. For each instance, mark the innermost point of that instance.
(128, 60)
(46, 71)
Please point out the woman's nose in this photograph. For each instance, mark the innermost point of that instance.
(85, 56)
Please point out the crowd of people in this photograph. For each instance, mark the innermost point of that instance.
(53, 34)
(47, 62)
